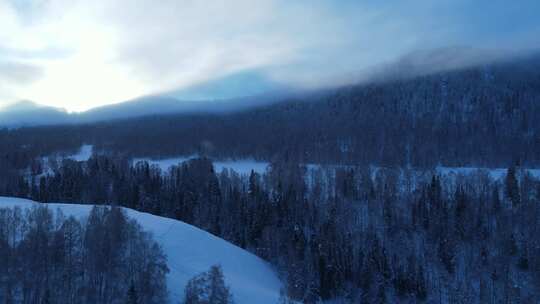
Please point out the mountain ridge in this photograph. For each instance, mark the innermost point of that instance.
(29, 113)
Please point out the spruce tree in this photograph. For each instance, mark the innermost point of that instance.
(46, 297)
(132, 297)
(219, 293)
(208, 288)
(512, 187)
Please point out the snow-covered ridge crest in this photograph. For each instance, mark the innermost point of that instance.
(191, 251)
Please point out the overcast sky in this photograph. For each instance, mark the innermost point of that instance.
(79, 54)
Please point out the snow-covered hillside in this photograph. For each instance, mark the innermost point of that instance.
(191, 251)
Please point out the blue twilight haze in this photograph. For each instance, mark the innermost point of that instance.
(83, 54)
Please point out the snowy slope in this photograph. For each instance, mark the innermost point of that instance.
(191, 251)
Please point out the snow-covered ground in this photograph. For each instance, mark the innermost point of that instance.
(166, 163)
(85, 152)
(241, 166)
(191, 251)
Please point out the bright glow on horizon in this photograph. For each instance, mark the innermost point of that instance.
(77, 54)
(82, 82)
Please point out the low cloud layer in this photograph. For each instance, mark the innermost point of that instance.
(81, 54)
(19, 73)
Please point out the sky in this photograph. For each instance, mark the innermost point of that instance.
(79, 54)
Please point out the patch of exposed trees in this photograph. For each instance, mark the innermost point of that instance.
(46, 257)
(208, 288)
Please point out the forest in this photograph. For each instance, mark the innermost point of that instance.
(381, 235)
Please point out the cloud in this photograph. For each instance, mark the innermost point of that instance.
(19, 73)
(92, 53)
(13, 76)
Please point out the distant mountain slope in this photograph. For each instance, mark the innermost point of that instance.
(241, 90)
(164, 105)
(484, 116)
(27, 113)
(237, 85)
(225, 94)
(191, 251)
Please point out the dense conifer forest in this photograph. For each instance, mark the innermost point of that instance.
(384, 234)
